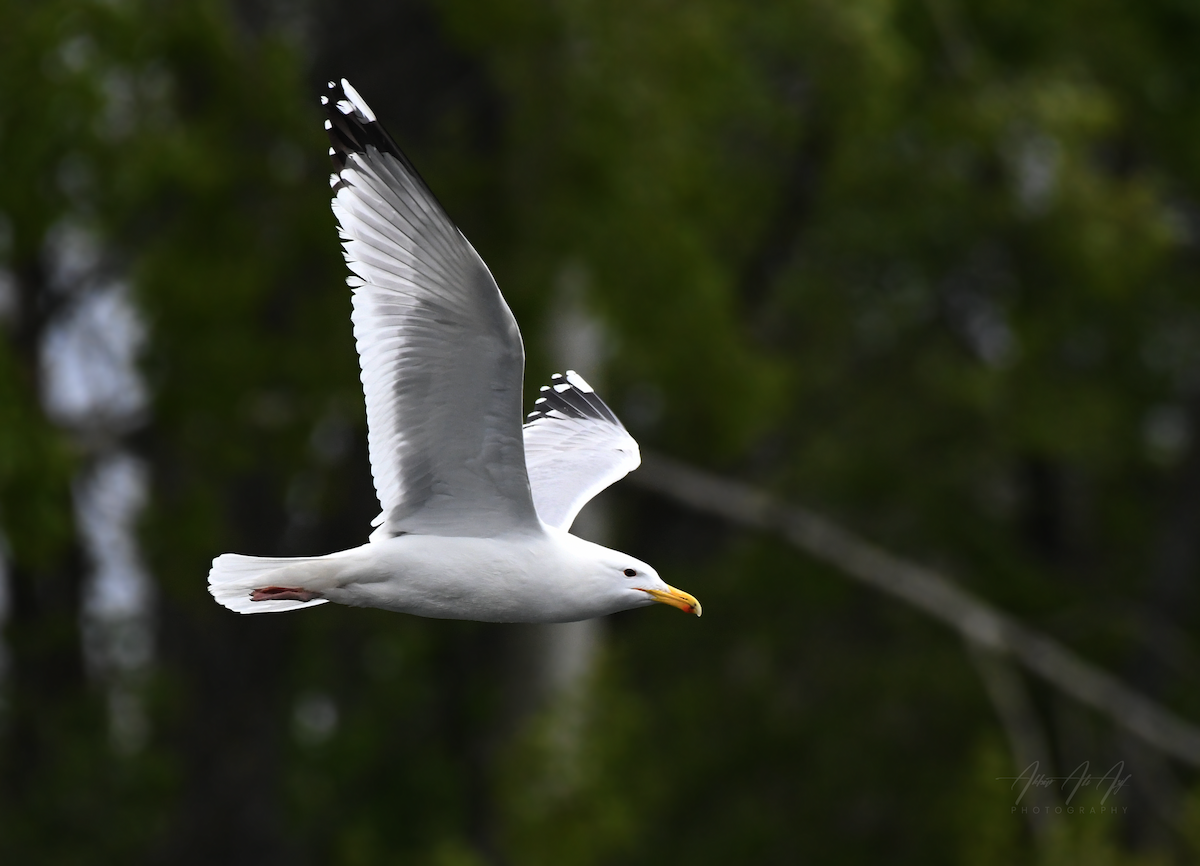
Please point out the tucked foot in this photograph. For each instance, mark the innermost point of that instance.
(282, 593)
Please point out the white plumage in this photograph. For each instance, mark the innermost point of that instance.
(475, 507)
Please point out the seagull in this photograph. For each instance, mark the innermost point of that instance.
(476, 507)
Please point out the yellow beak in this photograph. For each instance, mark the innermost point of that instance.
(676, 598)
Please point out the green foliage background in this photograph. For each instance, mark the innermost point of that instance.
(928, 266)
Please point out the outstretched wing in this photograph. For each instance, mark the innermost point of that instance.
(441, 354)
(574, 448)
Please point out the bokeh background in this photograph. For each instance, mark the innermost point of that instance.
(928, 267)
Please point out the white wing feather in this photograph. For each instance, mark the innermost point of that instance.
(574, 448)
(441, 355)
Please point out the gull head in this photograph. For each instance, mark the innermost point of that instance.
(628, 582)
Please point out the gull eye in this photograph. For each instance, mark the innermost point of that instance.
(629, 572)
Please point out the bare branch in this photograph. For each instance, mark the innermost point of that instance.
(1018, 718)
(974, 619)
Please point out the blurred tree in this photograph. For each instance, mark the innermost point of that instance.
(924, 265)
(57, 125)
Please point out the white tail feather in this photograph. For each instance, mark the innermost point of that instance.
(234, 576)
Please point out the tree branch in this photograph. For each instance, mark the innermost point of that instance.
(1018, 718)
(974, 619)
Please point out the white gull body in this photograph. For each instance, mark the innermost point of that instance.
(476, 507)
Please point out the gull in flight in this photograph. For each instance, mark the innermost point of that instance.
(476, 506)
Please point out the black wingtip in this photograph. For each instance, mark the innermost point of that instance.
(351, 125)
(570, 396)
(352, 128)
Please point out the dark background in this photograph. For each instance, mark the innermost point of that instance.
(927, 266)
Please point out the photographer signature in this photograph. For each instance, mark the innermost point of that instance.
(1079, 776)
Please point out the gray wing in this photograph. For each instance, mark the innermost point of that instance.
(441, 355)
(574, 448)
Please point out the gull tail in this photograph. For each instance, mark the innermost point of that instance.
(236, 580)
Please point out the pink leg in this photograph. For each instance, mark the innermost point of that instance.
(282, 593)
